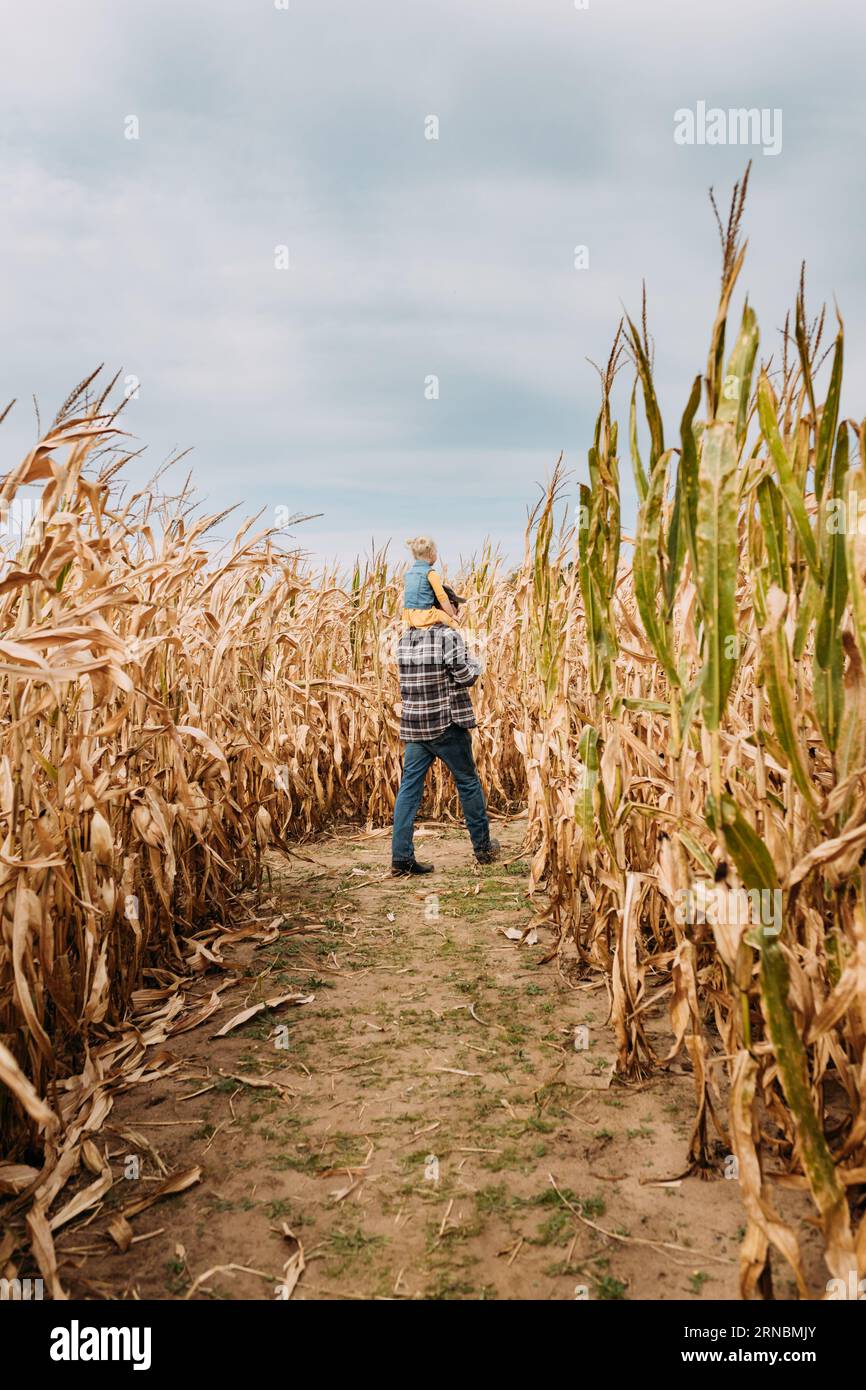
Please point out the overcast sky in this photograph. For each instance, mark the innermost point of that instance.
(261, 127)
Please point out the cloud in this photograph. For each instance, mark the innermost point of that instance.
(408, 257)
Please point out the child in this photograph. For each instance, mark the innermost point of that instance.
(426, 600)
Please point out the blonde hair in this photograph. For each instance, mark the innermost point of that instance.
(423, 548)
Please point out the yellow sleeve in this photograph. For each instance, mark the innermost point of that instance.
(436, 585)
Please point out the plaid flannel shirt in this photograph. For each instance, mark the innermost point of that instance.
(435, 670)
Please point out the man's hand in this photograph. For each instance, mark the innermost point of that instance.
(463, 668)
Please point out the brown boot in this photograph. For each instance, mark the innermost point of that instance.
(403, 867)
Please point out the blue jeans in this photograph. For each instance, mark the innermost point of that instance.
(455, 750)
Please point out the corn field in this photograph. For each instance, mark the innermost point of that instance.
(685, 721)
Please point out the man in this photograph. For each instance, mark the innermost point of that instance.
(435, 673)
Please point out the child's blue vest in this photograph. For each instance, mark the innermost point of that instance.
(417, 591)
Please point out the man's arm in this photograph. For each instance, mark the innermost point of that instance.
(463, 668)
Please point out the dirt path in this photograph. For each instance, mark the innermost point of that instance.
(433, 1089)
